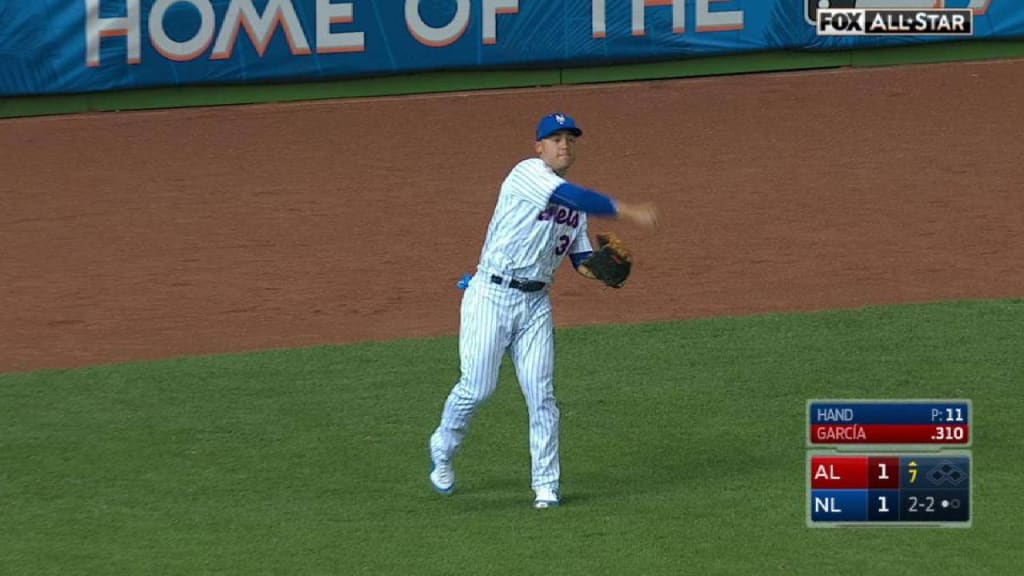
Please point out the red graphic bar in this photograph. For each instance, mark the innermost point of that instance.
(839, 472)
(890, 434)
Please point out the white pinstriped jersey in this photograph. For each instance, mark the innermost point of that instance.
(528, 237)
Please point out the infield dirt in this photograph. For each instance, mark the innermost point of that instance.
(148, 235)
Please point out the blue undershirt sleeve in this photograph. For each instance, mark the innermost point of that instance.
(579, 198)
(579, 258)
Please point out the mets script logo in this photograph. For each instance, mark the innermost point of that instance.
(560, 215)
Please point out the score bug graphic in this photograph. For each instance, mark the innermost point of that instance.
(890, 422)
(889, 463)
(885, 489)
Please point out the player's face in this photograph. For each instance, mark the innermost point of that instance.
(558, 151)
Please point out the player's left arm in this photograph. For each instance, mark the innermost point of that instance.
(581, 268)
(580, 250)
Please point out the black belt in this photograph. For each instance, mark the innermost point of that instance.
(525, 286)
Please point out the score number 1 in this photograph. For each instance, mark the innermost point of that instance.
(883, 474)
(883, 471)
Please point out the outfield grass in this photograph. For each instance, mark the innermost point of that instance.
(683, 453)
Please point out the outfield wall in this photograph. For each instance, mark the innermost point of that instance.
(120, 54)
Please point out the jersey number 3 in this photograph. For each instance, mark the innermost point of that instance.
(563, 244)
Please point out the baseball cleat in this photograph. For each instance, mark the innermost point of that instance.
(442, 477)
(546, 498)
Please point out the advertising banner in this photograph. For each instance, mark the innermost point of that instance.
(72, 46)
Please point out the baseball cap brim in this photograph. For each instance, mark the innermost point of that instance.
(574, 131)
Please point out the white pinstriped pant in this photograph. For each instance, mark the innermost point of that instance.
(495, 319)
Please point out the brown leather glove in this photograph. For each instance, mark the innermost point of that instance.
(611, 262)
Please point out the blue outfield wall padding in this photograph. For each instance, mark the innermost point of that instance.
(83, 46)
(486, 79)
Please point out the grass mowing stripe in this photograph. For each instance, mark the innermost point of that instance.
(687, 457)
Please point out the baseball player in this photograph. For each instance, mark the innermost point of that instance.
(539, 219)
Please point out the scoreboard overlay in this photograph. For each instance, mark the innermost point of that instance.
(889, 463)
(897, 423)
(889, 489)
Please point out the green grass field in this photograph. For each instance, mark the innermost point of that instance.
(686, 456)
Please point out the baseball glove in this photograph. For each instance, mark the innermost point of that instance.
(611, 262)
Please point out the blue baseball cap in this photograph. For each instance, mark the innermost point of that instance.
(552, 123)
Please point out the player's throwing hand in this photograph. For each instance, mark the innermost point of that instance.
(643, 214)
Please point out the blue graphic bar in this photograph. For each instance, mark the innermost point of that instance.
(892, 412)
(839, 505)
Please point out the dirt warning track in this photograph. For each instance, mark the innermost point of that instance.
(148, 235)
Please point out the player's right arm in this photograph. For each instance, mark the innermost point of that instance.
(643, 213)
(534, 181)
(592, 202)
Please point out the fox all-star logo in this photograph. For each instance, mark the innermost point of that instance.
(980, 7)
(561, 215)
